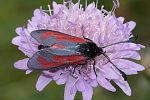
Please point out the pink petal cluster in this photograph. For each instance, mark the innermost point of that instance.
(99, 25)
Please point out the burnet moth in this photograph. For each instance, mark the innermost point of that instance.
(58, 50)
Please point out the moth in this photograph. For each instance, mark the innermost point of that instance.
(58, 50)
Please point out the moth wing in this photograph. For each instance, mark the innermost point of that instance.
(49, 37)
(51, 58)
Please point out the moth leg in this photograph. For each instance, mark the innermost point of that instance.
(79, 65)
(121, 72)
(94, 67)
(74, 69)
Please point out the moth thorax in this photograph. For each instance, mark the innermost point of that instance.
(90, 50)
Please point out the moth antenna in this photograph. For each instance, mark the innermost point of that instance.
(84, 35)
(83, 32)
(115, 43)
(132, 39)
(94, 67)
(123, 74)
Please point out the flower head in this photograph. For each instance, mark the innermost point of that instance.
(98, 25)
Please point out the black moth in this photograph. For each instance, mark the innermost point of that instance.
(68, 50)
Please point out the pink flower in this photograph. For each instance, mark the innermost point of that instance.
(99, 25)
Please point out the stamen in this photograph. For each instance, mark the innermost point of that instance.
(78, 1)
(97, 3)
(49, 8)
(94, 3)
(68, 3)
(41, 11)
(30, 23)
(102, 7)
(85, 4)
(104, 11)
(117, 3)
(114, 8)
(81, 6)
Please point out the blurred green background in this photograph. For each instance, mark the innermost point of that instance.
(15, 85)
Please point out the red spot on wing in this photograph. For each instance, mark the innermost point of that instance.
(62, 37)
(69, 59)
(47, 34)
(46, 64)
(71, 39)
(58, 46)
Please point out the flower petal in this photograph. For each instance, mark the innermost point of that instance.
(132, 25)
(57, 75)
(88, 93)
(42, 82)
(56, 8)
(126, 64)
(62, 79)
(128, 67)
(17, 40)
(127, 54)
(129, 71)
(92, 74)
(141, 46)
(75, 7)
(70, 91)
(22, 64)
(36, 12)
(108, 72)
(28, 71)
(126, 47)
(80, 85)
(121, 19)
(105, 83)
(27, 52)
(90, 7)
(19, 30)
(94, 83)
(124, 86)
